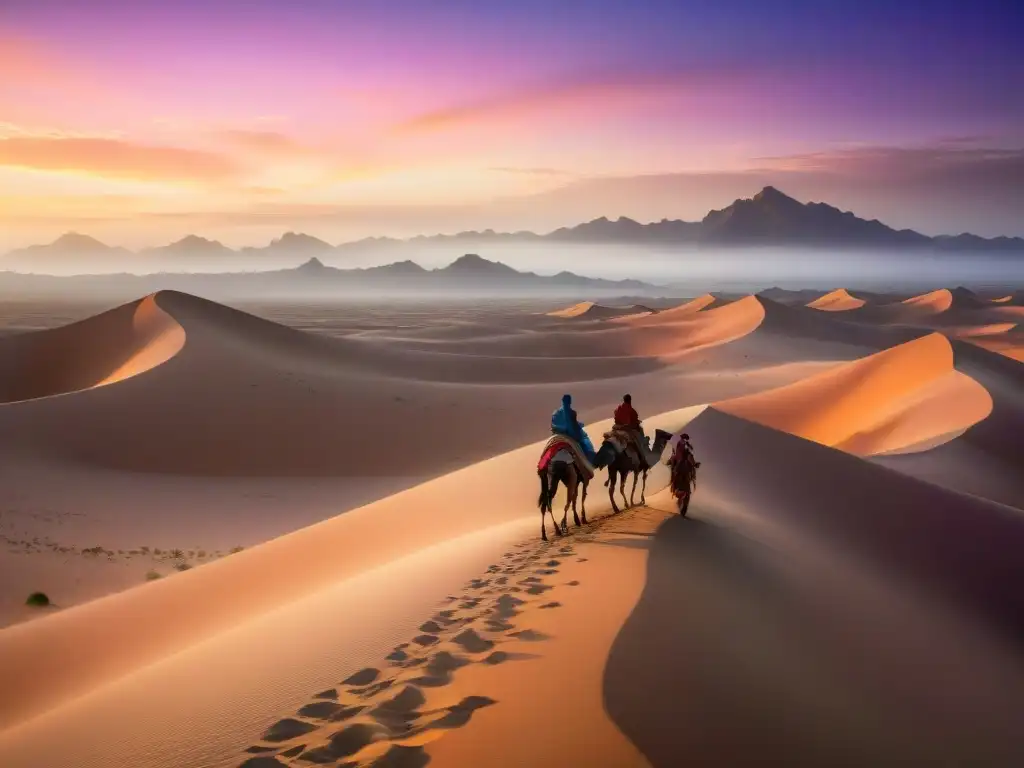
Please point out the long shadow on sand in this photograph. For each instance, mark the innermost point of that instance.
(735, 655)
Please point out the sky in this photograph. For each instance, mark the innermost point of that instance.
(141, 122)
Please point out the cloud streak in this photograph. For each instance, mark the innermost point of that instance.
(594, 88)
(116, 158)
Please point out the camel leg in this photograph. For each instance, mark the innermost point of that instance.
(552, 490)
(632, 492)
(611, 490)
(643, 491)
(583, 504)
(622, 490)
(571, 492)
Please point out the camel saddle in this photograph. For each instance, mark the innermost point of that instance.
(627, 440)
(558, 443)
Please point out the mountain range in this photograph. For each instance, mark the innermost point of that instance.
(769, 218)
(468, 275)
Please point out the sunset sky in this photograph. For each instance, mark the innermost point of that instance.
(140, 122)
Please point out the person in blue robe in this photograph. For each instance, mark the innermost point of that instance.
(565, 422)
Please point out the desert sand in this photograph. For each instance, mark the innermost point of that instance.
(341, 510)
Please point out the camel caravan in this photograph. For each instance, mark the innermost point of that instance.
(569, 459)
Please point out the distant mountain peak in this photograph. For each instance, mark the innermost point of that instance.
(313, 265)
(771, 193)
(474, 263)
(78, 240)
(298, 241)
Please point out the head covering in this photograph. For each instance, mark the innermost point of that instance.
(684, 436)
(566, 400)
(627, 398)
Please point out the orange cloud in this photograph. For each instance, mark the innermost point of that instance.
(270, 142)
(114, 158)
(574, 92)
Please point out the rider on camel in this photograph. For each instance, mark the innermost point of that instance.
(628, 420)
(565, 422)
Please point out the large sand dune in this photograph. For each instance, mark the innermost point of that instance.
(903, 399)
(843, 593)
(589, 310)
(114, 346)
(839, 300)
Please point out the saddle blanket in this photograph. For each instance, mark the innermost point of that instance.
(557, 443)
(625, 439)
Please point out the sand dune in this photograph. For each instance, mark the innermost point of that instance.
(930, 303)
(910, 595)
(228, 592)
(663, 637)
(838, 300)
(589, 310)
(903, 399)
(708, 626)
(114, 346)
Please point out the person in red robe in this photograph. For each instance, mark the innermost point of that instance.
(625, 416)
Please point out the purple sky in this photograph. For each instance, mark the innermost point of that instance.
(142, 121)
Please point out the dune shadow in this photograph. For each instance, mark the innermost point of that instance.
(732, 657)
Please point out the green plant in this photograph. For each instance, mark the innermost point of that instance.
(153, 576)
(38, 600)
(182, 566)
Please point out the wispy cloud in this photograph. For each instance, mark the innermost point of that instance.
(265, 142)
(602, 88)
(115, 158)
(952, 161)
(534, 171)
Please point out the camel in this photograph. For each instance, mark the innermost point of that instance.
(562, 469)
(625, 463)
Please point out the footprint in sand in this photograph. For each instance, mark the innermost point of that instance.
(439, 670)
(362, 677)
(402, 757)
(320, 710)
(471, 642)
(286, 729)
(530, 635)
(263, 762)
(401, 716)
(345, 743)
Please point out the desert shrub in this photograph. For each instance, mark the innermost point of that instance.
(38, 600)
(177, 553)
(236, 550)
(182, 566)
(152, 576)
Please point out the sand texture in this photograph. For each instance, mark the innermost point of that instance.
(295, 536)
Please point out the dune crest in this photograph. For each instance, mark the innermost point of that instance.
(930, 303)
(590, 310)
(674, 313)
(110, 347)
(839, 300)
(903, 399)
(228, 593)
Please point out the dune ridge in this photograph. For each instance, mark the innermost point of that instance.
(905, 398)
(839, 300)
(589, 310)
(111, 347)
(33, 656)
